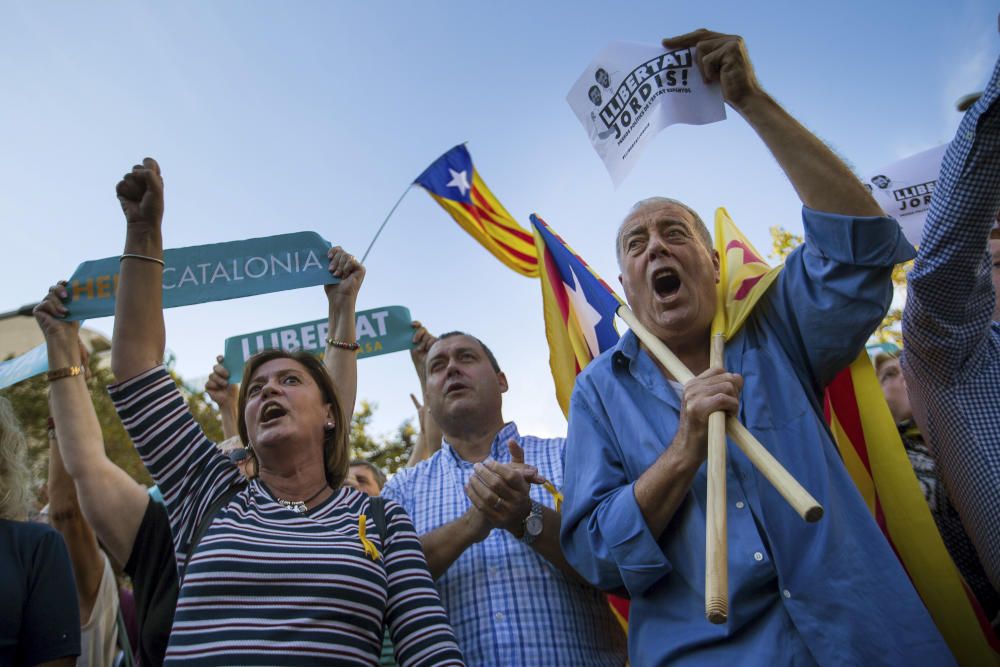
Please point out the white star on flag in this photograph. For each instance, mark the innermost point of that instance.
(459, 180)
(587, 317)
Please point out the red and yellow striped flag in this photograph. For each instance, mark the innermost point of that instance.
(873, 453)
(455, 184)
(579, 312)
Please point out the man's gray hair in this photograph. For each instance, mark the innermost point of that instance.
(701, 229)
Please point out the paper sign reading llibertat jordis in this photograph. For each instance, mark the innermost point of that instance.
(630, 92)
(904, 188)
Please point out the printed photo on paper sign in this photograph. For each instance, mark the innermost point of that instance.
(904, 189)
(630, 92)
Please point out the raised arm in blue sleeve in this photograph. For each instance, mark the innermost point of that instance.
(834, 290)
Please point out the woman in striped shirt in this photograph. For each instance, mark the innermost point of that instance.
(291, 570)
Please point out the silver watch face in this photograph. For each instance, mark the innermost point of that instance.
(533, 525)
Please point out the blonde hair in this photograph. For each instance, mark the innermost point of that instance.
(15, 497)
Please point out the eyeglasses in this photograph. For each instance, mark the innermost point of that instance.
(237, 455)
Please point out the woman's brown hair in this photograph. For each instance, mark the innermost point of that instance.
(335, 442)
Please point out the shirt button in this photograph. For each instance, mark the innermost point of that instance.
(758, 556)
(498, 616)
(786, 593)
(740, 504)
(970, 135)
(493, 571)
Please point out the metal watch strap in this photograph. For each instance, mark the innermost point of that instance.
(536, 511)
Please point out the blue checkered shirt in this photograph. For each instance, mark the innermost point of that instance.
(508, 605)
(951, 356)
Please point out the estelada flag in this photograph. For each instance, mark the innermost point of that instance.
(455, 184)
(873, 454)
(579, 312)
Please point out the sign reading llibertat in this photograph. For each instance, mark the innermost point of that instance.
(379, 331)
(630, 92)
(214, 272)
(904, 189)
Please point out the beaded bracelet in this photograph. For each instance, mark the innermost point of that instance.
(342, 344)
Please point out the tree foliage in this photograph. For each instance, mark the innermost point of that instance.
(390, 453)
(784, 242)
(30, 402)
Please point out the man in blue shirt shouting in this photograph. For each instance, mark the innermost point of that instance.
(829, 593)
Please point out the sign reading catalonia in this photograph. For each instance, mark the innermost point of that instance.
(214, 272)
(379, 331)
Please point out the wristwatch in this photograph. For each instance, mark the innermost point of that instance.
(532, 523)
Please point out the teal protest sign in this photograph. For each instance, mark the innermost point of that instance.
(379, 331)
(214, 272)
(29, 364)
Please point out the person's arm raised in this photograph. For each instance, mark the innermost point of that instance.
(139, 337)
(66, 517)
(342, 298)
(429, 440)
(112, 502)
(226, 396)
(821, 179)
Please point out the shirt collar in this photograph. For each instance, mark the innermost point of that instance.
(498, 449)
(626, 350)
(627, 359)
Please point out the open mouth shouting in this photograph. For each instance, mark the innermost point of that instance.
(666, 284)
(271, 412)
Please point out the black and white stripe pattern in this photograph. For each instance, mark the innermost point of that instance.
(267, 585)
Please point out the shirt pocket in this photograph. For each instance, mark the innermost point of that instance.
(772, 395)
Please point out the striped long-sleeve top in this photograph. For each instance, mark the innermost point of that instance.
(267, 585)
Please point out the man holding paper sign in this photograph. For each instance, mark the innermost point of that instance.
(634, 519)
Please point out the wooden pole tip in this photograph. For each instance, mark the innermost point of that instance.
(814, 514)
(717, 610)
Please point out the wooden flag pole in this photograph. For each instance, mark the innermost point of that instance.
(716, 537)
(796, 496)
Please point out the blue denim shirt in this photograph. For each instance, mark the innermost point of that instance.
(831, 592)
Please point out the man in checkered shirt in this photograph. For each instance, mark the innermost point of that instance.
(490, 536)
(951, 356)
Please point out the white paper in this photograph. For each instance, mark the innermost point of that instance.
(903, 189)
(630, 92)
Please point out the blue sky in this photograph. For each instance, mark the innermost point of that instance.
(273, 117)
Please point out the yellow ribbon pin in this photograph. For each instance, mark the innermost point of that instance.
(558, 497)
(370, 549)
